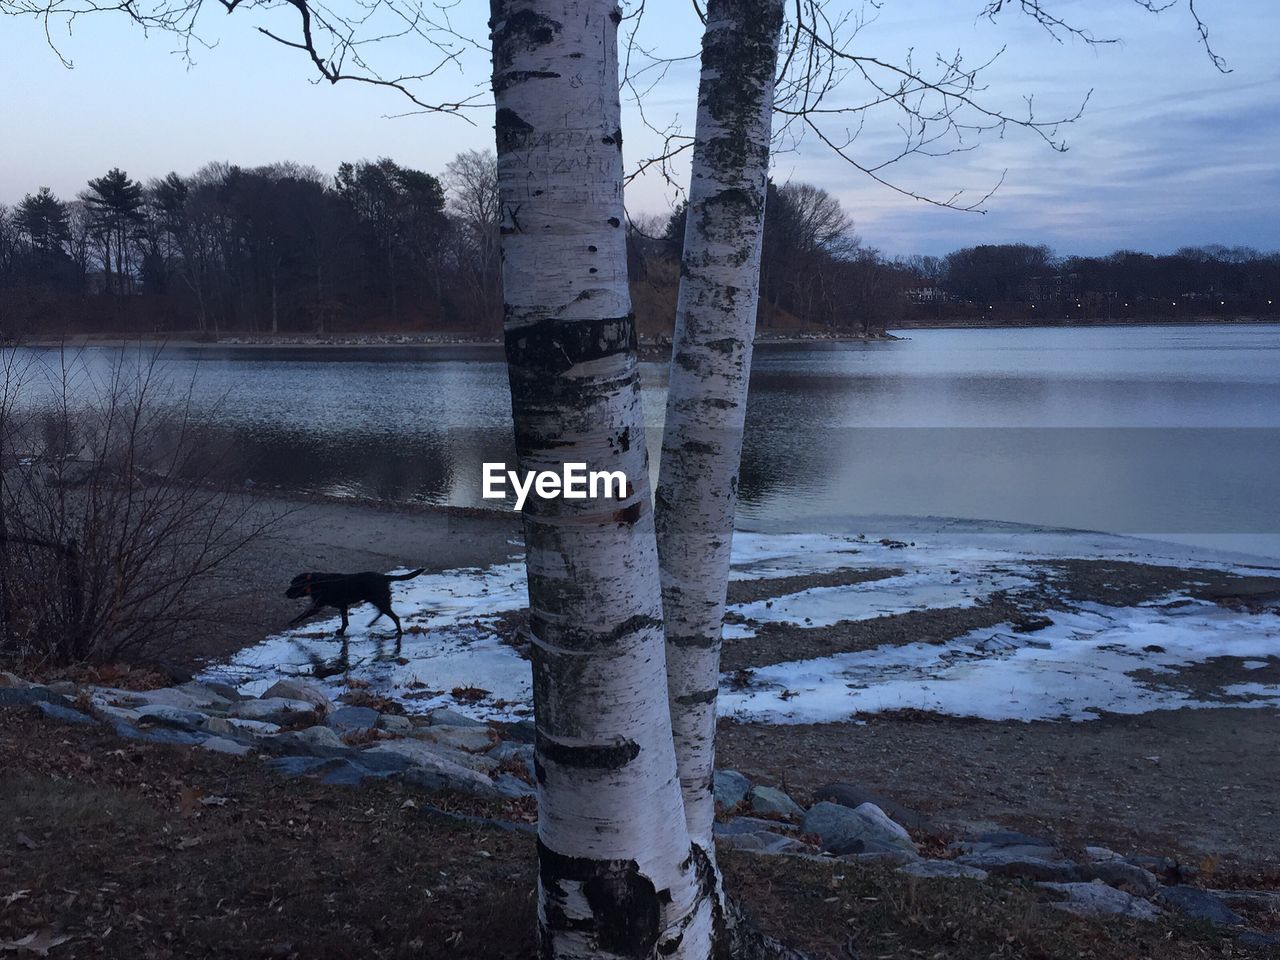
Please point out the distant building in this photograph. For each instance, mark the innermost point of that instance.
(929, 294)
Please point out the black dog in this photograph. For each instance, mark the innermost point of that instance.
(345, 590)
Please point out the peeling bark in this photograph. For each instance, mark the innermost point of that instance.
(711, 364)
(618, 876)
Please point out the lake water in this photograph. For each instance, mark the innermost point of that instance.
(1168, 430)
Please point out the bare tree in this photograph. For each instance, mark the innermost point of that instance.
(111, 544)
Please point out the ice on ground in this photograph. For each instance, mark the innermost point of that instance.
(1075, 669)
(1080, 665)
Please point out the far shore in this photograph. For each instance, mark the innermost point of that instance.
(460, 346)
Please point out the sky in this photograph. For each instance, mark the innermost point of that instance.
(1169, 151)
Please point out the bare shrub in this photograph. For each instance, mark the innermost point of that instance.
(113, 541)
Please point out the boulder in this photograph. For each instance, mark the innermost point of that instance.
(186, 738)
(765, 842)
(522, 731)
(293, 689)
(61, 714)
(473, 739)
(522, 752)
(730, 788)
(278, 710)
(353, 719)
(1019, 867)
(1199, 905)
(1123, 876)
(853, 796)
(315, 741)
(223, 745)
(394, 723)
(866, 827)
(745, 825)
(435, 756)
(25, 696)
(889, 856)
(772, 802)
(172, 697)
(947, 869)
(1008, 842)
(446, 716)
(237, 727)
(513, 787)
(1096, 854)
(10, 681)
(166, 716)
(1099, 900)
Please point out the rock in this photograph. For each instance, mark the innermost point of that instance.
(950, 869)
(25, 696)
(1010, 842)
(236, 727)
(893, 857)
(523, 752)
(510, 786)
(745, 825)
(1199, 905)
(1096, 854)
(468, 782)
(356, 720)
(772, 802)
(316, 741)
(473, 739)
(171, 697)
(852, 796)
(214, 695)
(1019, 867)
(394, 723)
(9, 681)
(64, 688)
(1123, 876)
(840, 826)
(765, 842)
(293, 689)
(522, 731)
(435, 757)
(1100, 900)
(186, 738)
(56, 711)
(277, 710)
(166, 716)
(730, 788)
(1166, 868)
(223, 745)
(296, 766)
(452, 718)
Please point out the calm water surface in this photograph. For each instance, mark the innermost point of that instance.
(1159, 430)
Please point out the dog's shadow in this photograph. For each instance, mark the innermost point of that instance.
(386, 650)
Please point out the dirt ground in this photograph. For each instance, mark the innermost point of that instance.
(117, 849)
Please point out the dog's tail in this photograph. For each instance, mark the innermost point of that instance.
(410, 575)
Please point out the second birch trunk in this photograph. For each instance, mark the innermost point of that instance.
(710, 368)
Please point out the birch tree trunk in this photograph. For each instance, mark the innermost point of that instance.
(710, 367)
(618, 876)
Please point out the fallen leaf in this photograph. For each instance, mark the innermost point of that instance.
(39, 943)
(26, 842)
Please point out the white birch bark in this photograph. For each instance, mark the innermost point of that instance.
(618, 876)
(710, 367)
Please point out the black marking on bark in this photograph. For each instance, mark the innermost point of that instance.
(510, 78)
(624, 439)
(539, 771)
(616, 16)
(691, 641)
(577, 638)
(702, 696)
(593, 248)
(725, 345)
(511, 130)
(720, 403)
(596, 756)
(614, 222)
(626, 908)
(550, 348)
(592, 270)
(614, 138)
(667, 947)
(523, 30)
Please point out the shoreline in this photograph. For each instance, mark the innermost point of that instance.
(1059, 323)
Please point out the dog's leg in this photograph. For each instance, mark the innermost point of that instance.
(312, 611)
(342, 630)
(377, 618)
